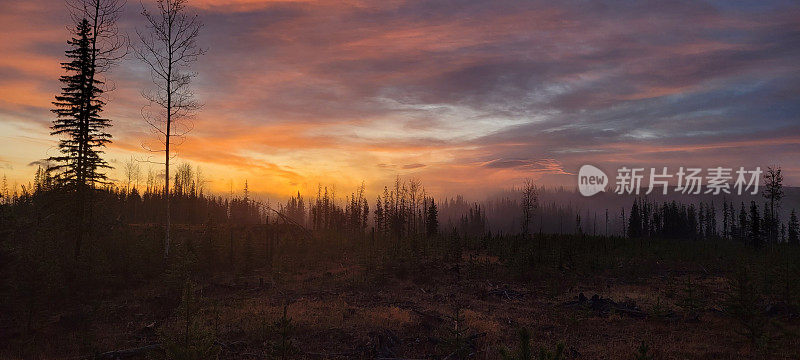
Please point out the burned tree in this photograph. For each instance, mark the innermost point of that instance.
(168, 46)
(773, 191)
(530, 202)
(794, 229)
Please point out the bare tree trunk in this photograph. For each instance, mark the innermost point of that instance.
(168, 48)
(80, 226)
(166, 196)
(166, 156)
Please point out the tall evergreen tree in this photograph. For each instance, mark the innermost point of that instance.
(80, 126)
(783, 233)
(725, 232)
(711, 221)
(379, 216)
(755, 225)
(701, 221)
(743, 224)
(432, 219)
(773, 191)
(635, 221)
(78, 119)
(691, 222)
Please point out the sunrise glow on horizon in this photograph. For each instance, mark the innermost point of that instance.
(467, 96)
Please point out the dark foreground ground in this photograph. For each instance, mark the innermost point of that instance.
(343, 308)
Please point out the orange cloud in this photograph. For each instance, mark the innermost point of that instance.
(466, 97)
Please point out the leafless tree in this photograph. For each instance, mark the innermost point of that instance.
(108, 44)
(168, 45)
(200, 180)
(133, 174)
(530, 202)
(773, 191)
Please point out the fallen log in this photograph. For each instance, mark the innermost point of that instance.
(604, 306)
(128, 353)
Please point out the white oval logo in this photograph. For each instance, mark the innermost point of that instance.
(591, 180)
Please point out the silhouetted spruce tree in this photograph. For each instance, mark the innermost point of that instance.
(378, 216)
(743, 227)
(80, 127)
(766, 223)
(432, 219)
(691, 222)
(773, 191)
(646, 209)
(635, 220)
(388, 214)
(755, 225)
(364, 213)
(296, 209)
(793, 229)
(725, 223)
(783, 233)
(78, 117)
(701, 220)
(711, 222)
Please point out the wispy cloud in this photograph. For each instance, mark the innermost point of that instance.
(458, 93)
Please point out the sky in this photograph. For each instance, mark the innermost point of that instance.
(467, 96)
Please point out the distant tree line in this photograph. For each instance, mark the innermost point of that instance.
(405, 210)
(190, 204)
(749, 224)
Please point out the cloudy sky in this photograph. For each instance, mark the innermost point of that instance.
(468, 96)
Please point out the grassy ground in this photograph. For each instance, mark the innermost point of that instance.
(381, 302)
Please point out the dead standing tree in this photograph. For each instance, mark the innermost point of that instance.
(530, 202)
(168, 46)
(108, 45)
(773, 191)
